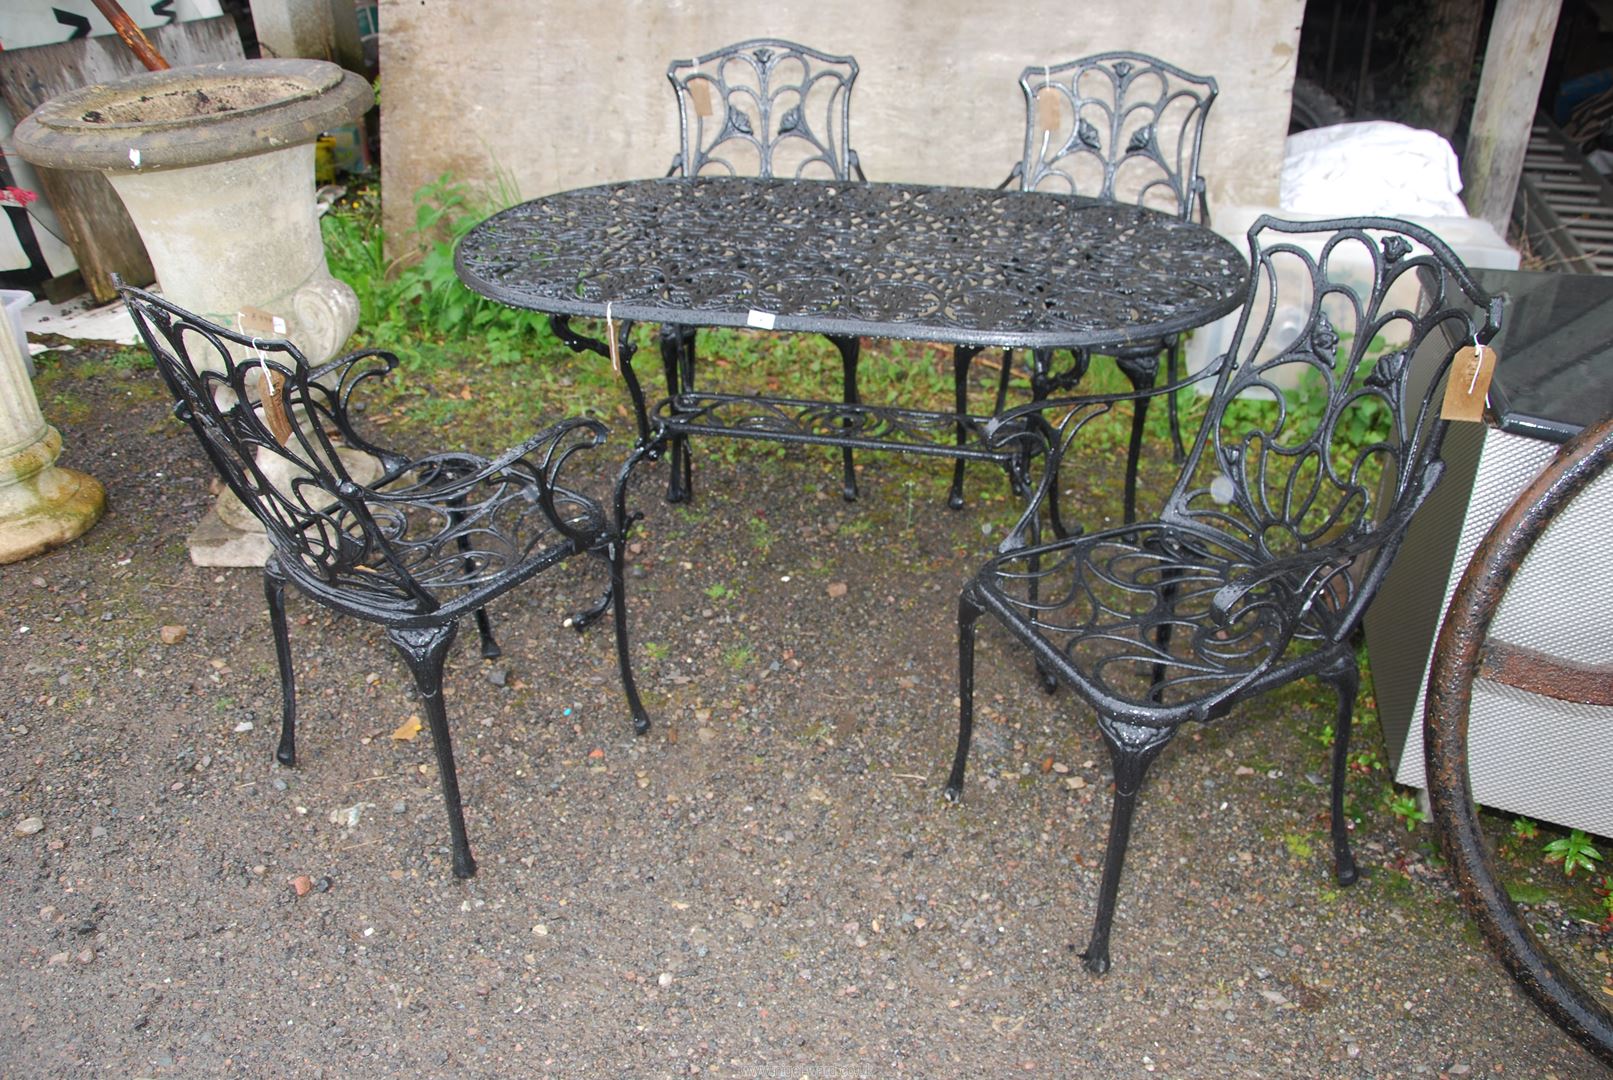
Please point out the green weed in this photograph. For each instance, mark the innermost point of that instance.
(1575, 851)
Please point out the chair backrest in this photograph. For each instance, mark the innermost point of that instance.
(269, 426)
(1323, 433)
(765, 108)
(1118, 125)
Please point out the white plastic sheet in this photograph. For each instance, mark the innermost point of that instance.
(1372, 167)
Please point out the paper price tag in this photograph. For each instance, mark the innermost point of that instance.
(274, 405)
(1468, 383)
(610, 340)
(759, 320)
(255, 322)
(700, 94)
(1049, 108)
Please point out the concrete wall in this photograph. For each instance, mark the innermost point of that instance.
(564, 93)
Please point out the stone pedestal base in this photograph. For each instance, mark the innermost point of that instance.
(230, 536)
(46, 510)
(213, 543)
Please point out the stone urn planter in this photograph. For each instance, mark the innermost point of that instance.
(215, 164)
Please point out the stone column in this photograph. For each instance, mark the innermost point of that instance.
(41, 507)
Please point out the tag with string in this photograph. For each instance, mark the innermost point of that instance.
(272, 382)
(1468, 385)
(610, 340)
(1049, 110)
(700, 94)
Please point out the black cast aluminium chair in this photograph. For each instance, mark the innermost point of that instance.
(425, 542)
(1120, 126)
(1322, 439)
(768, 108)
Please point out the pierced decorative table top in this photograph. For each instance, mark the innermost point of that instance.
(967, 266)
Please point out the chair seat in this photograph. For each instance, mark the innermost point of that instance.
(1126, 617)
(465, 541)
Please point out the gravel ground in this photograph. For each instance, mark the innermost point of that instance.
(769, 884)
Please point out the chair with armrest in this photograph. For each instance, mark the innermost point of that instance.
(1318, 447)
(424, 542)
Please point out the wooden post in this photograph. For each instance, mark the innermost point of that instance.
(1509, 89)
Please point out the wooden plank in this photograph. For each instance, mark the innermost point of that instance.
(1503, 115)
(103, 239)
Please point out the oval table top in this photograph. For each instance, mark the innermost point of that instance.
(958, 265)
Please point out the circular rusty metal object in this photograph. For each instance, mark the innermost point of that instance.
(1458, 654)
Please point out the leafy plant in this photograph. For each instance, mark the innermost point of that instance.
(1405, 807)
(718, 591)
(1575, 851)
(1604, 892)
(417, 293)
(1525, 828)
(1365, 761)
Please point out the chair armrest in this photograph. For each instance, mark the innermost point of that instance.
(535, 464)
(337, 380)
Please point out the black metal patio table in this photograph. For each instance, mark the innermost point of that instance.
(970, 267)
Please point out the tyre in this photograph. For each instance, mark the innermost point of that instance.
(1314, 107)
(1553, 983)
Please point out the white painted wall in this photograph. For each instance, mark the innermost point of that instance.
(564, 93)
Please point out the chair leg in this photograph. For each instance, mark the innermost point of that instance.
(677, 364)
(968, 614)
(618, 594)
(1173, 372)
(1162, 632)
(1141, 370)
(1132, 749)
(1346, 681)
(274, 591)
(484, 626)
(850, 348)
(424, 650)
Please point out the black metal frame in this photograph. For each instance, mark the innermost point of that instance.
(430, 540)
(966, 266)
(1275, 536)
(762, 89)
(1130, 127)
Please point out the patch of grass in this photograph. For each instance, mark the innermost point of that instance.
(761, 535)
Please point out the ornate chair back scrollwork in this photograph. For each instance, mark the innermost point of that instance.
(412, 543)
(1128, 128)
(1121, 126)
(765, 108)
(769, 108)
(1321, 440)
